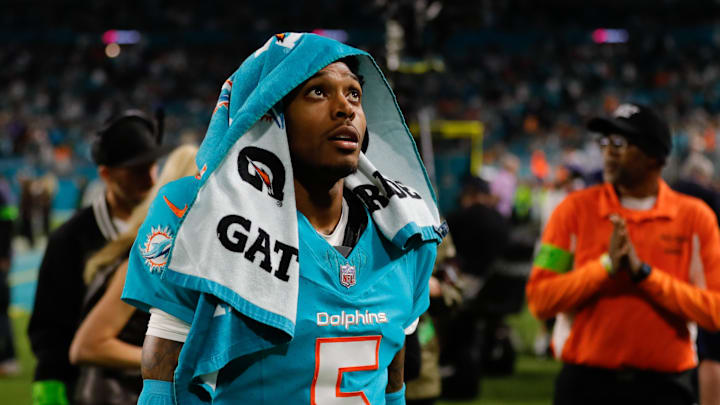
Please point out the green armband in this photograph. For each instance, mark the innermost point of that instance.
(49, 392)
(553, 258)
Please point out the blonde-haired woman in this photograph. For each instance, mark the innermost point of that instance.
(109, 340)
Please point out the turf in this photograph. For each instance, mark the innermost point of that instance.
(16, 390)
(532, 384)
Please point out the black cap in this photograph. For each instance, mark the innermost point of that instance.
(474, 184)
(640, 125)
(129, 139)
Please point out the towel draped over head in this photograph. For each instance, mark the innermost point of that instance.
(244, 198)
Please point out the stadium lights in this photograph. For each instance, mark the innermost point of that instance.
(610, 36)
(121, 37)
(112, 50)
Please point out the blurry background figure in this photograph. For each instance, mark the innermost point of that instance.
(504, 183)
(696, 180)
(696, 176)
(126, 150)
(36, 195)
(445, 296)
(25, 227)
(568, 178)
(9, 365)
(478, 230)
(44, 189)
(108, 342)
(480, 234)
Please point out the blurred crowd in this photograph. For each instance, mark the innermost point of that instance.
(531, 86)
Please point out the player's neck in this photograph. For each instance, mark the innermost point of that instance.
(320, 203)
(648, 187)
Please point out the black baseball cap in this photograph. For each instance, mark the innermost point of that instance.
(130, 139)
(474, 184)
(640, 126)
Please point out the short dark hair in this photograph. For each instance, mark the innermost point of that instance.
(475, 185)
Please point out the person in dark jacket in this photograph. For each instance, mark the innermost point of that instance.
(480, 234)
(9, 365)
(108, 342)
(126, 150)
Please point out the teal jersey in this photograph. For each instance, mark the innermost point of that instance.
(351, 319)
(352, 314)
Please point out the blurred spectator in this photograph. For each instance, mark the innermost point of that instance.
(445, 296)
(568, 178)
(696, 180)
(25, 224)
(35, 204)
(108, 342)
(504, 183)
(477, 228)
(126, 151)
(9, 365)
(480, 234)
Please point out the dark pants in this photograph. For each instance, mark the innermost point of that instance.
(590, 385)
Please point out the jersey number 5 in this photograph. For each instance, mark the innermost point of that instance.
(335, 356)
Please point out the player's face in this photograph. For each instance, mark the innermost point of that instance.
(623, 163)
(326, 122)
(130, 185)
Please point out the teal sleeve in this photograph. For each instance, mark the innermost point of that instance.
(156, 392)
(396, 398)
(146, 289)
(145, 284)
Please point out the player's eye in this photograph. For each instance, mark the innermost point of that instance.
(316, 91)
(355, 94)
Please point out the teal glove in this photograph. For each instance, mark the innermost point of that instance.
(156, 392)
(395, 398)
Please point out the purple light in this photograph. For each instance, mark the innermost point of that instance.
(121, 37)
(338, 35)
(610, 36)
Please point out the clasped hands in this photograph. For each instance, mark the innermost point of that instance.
(621, 250)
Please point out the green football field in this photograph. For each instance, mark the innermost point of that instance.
(530, 385)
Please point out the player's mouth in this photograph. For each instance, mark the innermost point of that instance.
(345, 137)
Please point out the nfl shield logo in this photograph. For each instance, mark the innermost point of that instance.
(347, 275)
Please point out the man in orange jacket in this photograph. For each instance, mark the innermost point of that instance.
(629, 268)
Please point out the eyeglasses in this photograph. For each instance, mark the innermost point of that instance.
(616, 141)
